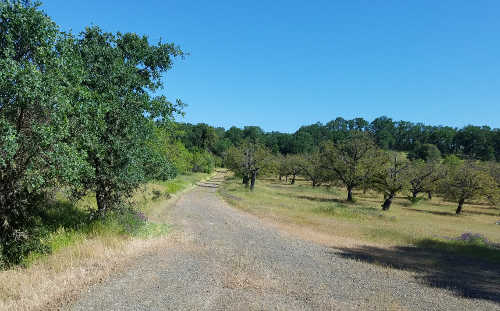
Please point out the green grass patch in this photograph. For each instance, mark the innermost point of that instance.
(473, 248)
(346, 211)
(394, 235)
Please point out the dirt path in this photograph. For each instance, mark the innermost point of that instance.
(224, 259)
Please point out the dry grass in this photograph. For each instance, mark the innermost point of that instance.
(56, 279)
(321, 214)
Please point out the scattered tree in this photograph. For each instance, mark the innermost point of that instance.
(393, 178)
(247, 161)
(466, 181)
(294, 166)
(349, 160)
(424, 177)
(312, 168)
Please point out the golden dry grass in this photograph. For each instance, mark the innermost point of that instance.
(56, 279)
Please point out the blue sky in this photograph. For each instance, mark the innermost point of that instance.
(283, 64)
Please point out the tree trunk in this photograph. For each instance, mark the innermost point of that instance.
(101, 201)
(293, 179)
(429, 195)
(459, 208)
(286, 178)
(387, 202)
(245, 180)
(349, 194)
(313, 183)
(280, 177)
(252, 181)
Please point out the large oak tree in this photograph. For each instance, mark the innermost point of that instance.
(117, 111)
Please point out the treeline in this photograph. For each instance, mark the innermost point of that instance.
(471, 142)
(77, 116)
(356, 162)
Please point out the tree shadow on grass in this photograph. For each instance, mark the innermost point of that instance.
(316, 199)
(431, 212)
(473, 212)
(440, 265)
(63, 214)
(450, 213)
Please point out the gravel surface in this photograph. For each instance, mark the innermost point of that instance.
(225, 259)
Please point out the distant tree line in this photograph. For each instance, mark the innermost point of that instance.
(421, 141)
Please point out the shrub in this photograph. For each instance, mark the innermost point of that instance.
(202, 161)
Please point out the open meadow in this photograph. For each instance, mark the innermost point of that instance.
(325, 211)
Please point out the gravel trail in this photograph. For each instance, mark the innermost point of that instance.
(225, 259)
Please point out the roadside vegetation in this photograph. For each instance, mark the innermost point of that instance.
(78, 251)
(81, 133)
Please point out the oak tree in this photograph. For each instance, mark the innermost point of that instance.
(466, 181)
(349, 160)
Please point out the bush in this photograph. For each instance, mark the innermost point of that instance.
(202, 161)
(62, 224)
(180, 157)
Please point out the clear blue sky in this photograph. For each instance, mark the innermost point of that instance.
(283, 64)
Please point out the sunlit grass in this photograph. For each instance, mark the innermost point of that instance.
(324, 210)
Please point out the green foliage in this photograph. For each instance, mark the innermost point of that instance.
(312, 167)
(393, 178)
(294, 164)
(74, 112)
(119, 74)
(35, 150)
(352, 161)
(199, 136)
(424, 177)
(426, 152)
(475, 142)
(202, 161)
(466, 180)
(249, 160)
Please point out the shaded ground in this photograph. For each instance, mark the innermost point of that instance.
(465, 277)
(225, 259)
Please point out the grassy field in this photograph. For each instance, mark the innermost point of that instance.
(321, 214)
(78, 251)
